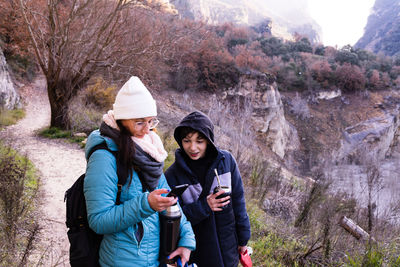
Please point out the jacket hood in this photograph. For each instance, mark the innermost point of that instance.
(199, 122)
(95, 138)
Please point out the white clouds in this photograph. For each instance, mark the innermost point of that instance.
(342, 21)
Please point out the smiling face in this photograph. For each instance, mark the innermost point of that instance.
(195, 145)
(139, 127)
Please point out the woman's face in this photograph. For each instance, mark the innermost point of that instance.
(140, 127)
(194, 145)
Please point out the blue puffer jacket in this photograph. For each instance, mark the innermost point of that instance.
(118, 223)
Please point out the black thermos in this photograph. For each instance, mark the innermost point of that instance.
(170, 222)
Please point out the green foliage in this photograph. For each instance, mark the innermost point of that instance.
(372, 258)
(257, 219)
(365, 55)
(56, 133)
(292, 76)
(344, 56)
(19, 186)
(270, 248)
(8, 117)
(273, 46)
(234, 42)
(320, 50)
(303, 45)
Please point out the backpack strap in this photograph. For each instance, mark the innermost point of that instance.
(121, 176)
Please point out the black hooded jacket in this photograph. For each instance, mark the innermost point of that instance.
(218, 234)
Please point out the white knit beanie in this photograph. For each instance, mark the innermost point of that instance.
(134, 101)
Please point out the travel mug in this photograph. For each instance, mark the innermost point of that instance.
(227, 190)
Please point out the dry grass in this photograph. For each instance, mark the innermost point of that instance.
(18, 224)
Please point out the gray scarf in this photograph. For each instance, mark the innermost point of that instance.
(149, 170)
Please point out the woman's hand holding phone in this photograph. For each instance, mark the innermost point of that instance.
(158, 202)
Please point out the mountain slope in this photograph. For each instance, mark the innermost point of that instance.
(382, 33)
(287, 16)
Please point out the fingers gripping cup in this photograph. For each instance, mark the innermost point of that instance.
(226, 189)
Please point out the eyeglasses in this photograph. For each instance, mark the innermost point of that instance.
(151, 123)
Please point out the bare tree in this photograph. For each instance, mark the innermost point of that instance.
(76, 39)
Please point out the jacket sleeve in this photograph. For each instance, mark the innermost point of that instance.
(239, 205)
(100, 190)
(186, 238)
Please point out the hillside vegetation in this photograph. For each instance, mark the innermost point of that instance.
(85, 61)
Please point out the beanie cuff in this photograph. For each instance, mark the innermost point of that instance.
(135, 111)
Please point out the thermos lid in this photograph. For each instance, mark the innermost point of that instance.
(172, 211)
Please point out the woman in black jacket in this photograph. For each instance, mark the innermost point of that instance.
(221, 225)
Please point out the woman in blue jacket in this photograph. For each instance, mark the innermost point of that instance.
(221, 225)
(132, 229)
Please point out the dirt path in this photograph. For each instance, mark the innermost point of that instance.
(58, 163)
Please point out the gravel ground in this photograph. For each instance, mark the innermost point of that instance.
(59, 164)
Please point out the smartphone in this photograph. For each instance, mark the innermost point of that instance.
(176, 191)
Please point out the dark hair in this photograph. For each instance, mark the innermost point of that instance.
(185, 131)
(126, 150)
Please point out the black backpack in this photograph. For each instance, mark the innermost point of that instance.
(84, 242)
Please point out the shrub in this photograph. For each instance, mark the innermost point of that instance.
(18, 223)
(302, 45)
(372, 257)
(365, 55)
(378, 80)
(350, 78)
(86, 111)
(100, 94)
(205, 66)
(84, 119)
(273, 46)
(344, 56)
(271, 247)
(320, 50)
(251, 58)
(321, 72)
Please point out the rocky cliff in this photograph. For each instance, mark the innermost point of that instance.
(9, 97)
(287, 17)
(268, 117)
(382, 33)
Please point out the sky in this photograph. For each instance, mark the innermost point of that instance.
(342, 21)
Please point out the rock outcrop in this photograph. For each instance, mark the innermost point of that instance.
(9, 97)
(268, 112)
(377, 136)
